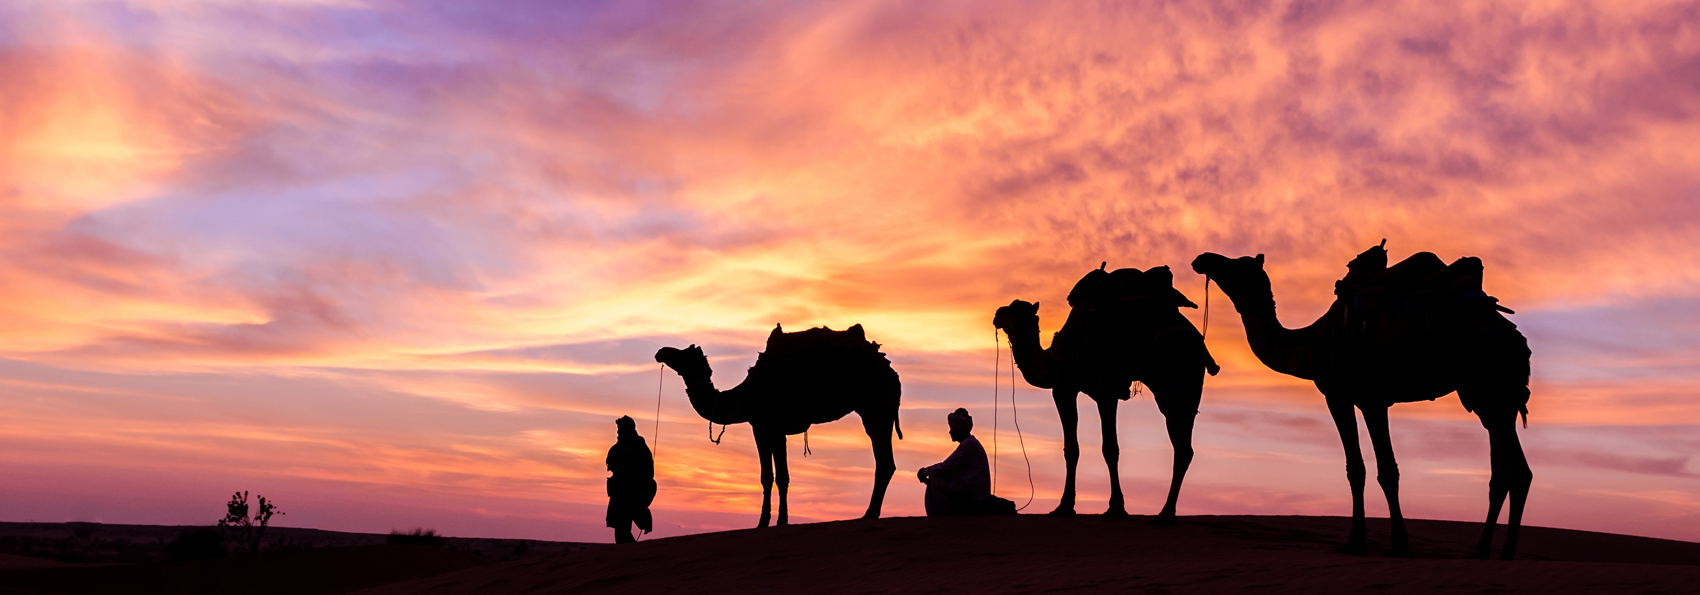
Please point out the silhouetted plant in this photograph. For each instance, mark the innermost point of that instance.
(245, 531)
(420, 536)
(200, 544)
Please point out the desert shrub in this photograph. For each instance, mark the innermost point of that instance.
(200, 544)
(241, 530)
(419, 536)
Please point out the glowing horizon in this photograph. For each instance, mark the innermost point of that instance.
(396, 266)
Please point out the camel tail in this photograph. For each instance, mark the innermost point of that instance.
(897, 403)
(1523, 410)
(898, 425)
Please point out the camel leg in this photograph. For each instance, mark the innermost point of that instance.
(1070, 415)
(764, 449)
(879, 433)
(1346, 421)
(1112, 455)
(1387, 474)
(782, 474)
(1178, 402)
(1511, 475)
(1180, 438)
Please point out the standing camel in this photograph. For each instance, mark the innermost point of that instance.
(810, 377)
(1412, 332)
(1123, 326)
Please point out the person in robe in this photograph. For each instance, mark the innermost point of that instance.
(962, 483)
(631, 487)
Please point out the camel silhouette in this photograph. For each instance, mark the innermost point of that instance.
(1122, 326)
(1416, 331)
(805, 378)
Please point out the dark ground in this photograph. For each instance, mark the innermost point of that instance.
(102, 558)
(1020, 554)
(1039, 554)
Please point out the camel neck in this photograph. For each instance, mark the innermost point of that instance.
(715, 405)
(1284, 350)
(1030, 357)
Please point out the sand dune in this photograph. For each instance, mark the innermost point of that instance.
(1030, 554)
(304, 571)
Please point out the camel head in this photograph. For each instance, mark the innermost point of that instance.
(1241, 277)
(688, 362)
(1017, 315)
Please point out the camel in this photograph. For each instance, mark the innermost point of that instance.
(1123, 326)
(1416, 331)
(805, 378)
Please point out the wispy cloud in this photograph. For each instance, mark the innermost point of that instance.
(437, 245)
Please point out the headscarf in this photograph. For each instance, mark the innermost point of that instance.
(960, 419)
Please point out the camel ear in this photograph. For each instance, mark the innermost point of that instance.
(1260, 260)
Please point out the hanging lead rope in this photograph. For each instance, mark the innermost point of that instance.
(660, 377)
(805, 443)
(997, 361)
(1206, 332)
(1017, 417)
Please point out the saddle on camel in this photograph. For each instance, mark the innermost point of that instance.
(1419, 309)
(1120, 317)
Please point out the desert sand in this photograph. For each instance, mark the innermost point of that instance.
(1034, 554)
(1019, 554)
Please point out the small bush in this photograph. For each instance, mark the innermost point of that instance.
(200, 544)
(246, 532)
(416, 537)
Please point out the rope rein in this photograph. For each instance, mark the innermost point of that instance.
(997, 361)
(660, 377)
(1017, 417)
(1014, 413)
(1206, 332)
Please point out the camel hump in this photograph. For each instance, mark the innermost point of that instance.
(1462, 281)
(1424, 279)
(1464, 274)
(1086, 288)
(1397, 281)
(816, 344)
(1123, 287)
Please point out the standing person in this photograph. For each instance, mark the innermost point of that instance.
(631, 487)
(962, 483)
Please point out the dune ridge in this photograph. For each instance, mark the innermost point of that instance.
(1032, 553)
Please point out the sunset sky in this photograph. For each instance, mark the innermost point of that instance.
(400, 264)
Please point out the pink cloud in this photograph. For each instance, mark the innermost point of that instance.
(482, 223)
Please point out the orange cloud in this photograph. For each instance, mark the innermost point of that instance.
(487, 221)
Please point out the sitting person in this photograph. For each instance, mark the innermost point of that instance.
(962, 483)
